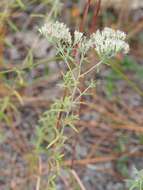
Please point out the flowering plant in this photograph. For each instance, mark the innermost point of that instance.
(50, 132)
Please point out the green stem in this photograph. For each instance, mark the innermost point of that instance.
(91, 69)
(131, 83)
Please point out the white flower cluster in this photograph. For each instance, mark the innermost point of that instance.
(78, 37)
(107, 42)
(56, 31)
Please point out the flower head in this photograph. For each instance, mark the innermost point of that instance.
(78, 37)
(56, 32)
(109, 42)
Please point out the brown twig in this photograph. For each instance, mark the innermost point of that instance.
(39, 175)
(102, 159)
(124, 13)
(78, 179)
(94, 20)
(85, 12)
(136, 29)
